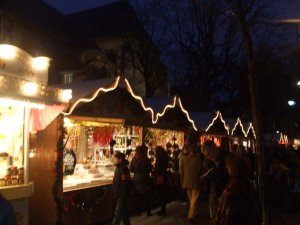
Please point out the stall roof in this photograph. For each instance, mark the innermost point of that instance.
(158, 105)
(203, 119)
(84, 88)
(249, 129)
(236, 127)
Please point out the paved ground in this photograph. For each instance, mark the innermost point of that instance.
(177, 214)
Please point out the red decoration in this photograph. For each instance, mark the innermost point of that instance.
(103, 135)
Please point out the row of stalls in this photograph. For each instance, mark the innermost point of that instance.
(106, 116)
(56, 154)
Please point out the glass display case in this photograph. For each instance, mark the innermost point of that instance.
(11, 144)
(89, 146)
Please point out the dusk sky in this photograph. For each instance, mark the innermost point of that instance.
(286, 8)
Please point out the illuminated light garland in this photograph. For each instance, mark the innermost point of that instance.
(139, 98)
(169, 106)
(251, 127)
(187, 115)
(219, 115)
(86, 100)
(239, 122)
(155, 117)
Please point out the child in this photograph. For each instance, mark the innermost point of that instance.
(121, 189)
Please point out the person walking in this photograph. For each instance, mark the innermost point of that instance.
(190, 169)
(238, 203)
(214, 176)
(141, 167)
(160, 177)
(121, 189)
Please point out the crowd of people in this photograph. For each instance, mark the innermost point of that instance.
(228, 180)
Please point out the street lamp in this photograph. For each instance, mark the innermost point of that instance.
(291, 103)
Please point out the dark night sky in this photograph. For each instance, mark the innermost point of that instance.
(285, 8)
(69, 6)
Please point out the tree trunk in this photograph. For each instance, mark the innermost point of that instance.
(256, 112)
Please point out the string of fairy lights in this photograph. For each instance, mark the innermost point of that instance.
(155, 116)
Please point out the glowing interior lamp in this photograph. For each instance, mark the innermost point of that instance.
(30, 88)
(298, 83)
(65, 95)
(291, 102)
(67, 122)
(40, 63)
(7, 51)
(32, 153)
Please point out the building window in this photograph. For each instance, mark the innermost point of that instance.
(68, 78)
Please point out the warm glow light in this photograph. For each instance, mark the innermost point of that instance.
(239, 122)
(7, 101)
(7, 51)
(30, 88)
(32, 153)
(113, 87)
(40, 63)
(65, 95)
(218, 115)
(67, 122)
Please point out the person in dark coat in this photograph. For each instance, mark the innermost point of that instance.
(121, 189)
(214, 175)
(238, 202)
(6, 212)
(160, 177)
(141, 167)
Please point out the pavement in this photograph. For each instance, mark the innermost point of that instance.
(177, 215)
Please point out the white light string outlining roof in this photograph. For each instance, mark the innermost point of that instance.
(85, 100)
(187, 115)
(251, 128)
(139, 98)
(239, 122)
(156, 116)
(218, 115)
(169, 106)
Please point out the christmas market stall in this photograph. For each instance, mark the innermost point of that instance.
(251, 136)
(27, 104)
(95, 126)
(170, 125)
(212, 126)
(238, 136)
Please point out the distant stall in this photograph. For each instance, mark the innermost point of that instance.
(251, 136)
(212, 126)
(238, 136)
(171, 124)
